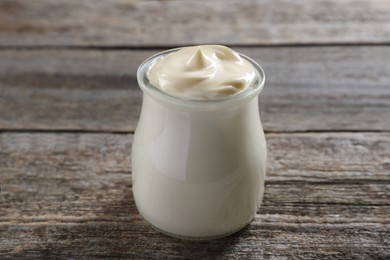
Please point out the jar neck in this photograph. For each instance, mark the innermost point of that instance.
(168, 104)
(169, 100)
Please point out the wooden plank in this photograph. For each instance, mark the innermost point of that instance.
(329, 158)
(69, 195)
(307, 89)
(135, 240)
(175, 22)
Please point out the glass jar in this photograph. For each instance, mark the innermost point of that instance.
(198, 165)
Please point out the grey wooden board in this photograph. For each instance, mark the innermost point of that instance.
(69, 195)
(307, 89)
(175, 22)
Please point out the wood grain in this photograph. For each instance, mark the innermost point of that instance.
(69, 103)
(69, 195)
(175, 22)
(307, 89)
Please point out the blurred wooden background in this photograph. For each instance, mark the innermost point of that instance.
(69, 104)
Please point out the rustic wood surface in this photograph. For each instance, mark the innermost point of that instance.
(57, 204)
(69, 105)
(170, 23)
(307, 89)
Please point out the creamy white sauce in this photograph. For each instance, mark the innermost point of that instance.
(202, 72)
(199, 172)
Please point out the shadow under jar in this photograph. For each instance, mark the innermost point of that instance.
(198, 165)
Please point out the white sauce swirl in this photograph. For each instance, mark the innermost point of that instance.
(202, 72)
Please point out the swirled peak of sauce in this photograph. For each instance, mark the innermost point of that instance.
(202, 72)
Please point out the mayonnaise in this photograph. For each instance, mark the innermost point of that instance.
(198, 167)
(202, 72)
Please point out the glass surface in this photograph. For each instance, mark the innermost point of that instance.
(198, 165)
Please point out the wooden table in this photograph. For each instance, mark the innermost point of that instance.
(69, 104)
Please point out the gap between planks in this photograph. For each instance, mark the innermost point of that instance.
(86, 131)
(163, 47)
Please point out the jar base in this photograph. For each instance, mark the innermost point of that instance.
(196, 238)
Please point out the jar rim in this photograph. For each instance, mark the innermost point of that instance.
(146, 86)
